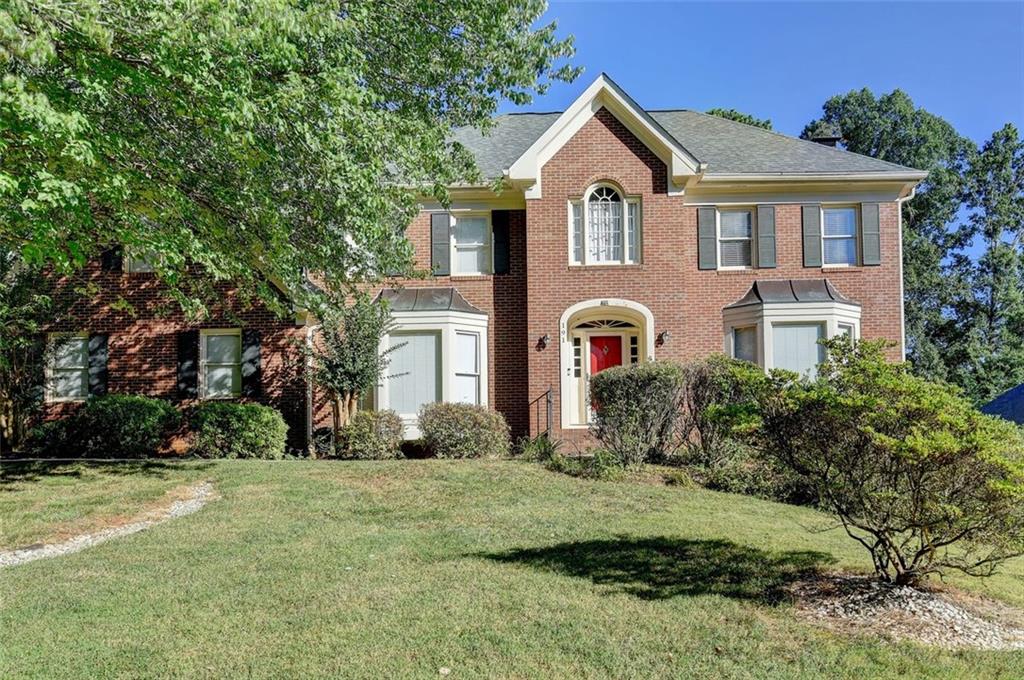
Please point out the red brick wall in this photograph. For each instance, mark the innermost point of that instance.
(685, 301)
(143, 323)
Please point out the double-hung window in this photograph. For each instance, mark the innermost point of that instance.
(604, 228)
(68, 378)
(744, 344)
(466, 388)
(220, 359)
(735, 238)
(140, 264)
(471, 245)
(839, 236)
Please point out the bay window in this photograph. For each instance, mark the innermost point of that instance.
(604, 228)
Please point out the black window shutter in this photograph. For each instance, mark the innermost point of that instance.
(188, 364)
(707, 239)
(499, 227)
(766, 236)
(871, 235)
(251, 372)
(440, 252)
(98, 364)
(812, 235)
(112, 260)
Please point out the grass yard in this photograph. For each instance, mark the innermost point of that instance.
(374, 570)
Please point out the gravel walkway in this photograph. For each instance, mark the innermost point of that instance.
(863, 604)
(197, 496)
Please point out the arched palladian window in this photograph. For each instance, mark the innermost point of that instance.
(604, 227)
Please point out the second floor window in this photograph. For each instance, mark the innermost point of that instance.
(604, 228)
(735, 240)
(471, 244)
(839, 236)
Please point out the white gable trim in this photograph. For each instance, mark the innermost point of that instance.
(683, 167)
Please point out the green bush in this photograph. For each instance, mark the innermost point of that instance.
(636, 409)
(598, 464)
(224, 429)
(372, 435)
(113, 426)
(913, 472)
(720, 396)
(463, 431)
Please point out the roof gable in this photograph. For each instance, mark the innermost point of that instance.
(683, 166)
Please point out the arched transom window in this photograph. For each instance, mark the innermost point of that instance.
(604, 227)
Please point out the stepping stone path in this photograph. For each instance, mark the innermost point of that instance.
(197, 496)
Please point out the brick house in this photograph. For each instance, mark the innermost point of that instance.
(620, 235)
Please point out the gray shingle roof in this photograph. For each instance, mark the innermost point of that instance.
(1009, 405)
(427, 300)
(791, 290)
(726, 146)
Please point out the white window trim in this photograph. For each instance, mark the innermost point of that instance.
(627, 200)
(447, 324)
(476, 371)
(203, 334)
(856, 234)
(487, 245)
(765, 317)
(51, 341)
(753, 236)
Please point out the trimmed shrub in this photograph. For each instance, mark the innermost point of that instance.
(372, 435)
(225, 429)
(112, 426)
(636, 408)
(463, 431)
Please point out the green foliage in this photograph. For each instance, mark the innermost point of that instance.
(25, 307)
(598, 463)
(987, 357)
(540, 448)
(636, 409)
(463, 431)
(250, 141)
(720, 395)
(739, 117)
(225, 429)
(917, 476)
(892, 128)
(372, 435)
(113, 426)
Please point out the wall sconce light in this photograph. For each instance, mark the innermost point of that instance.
(663, 338)
(543, 341)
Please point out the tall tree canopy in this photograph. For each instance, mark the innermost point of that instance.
(989, 355)
(892, 128)
(740, 117)
(251, 141)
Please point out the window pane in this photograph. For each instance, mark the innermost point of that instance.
(577, 233)
(796, 349)
(472, 260)
(631, 230)
(466, 389)
(223, 349)
(71, 352)
(735, 253)
(745, 344)
(465, 359)
(470, 230)
(70, 384)
(736, 224)
(840, 222)
(840, 251)
(223, 381)
(413, 370)
(605, 231)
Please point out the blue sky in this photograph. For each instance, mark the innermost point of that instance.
(964, 62)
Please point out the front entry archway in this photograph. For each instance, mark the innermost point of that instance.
(597, 335)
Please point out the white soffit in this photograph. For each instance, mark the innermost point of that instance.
(683, 167)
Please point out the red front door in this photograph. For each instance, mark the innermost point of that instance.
(605, 352)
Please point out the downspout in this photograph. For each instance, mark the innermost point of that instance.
(903, 302)
(310, 444)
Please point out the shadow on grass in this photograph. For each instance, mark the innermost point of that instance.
(18, 471)
(657, 568)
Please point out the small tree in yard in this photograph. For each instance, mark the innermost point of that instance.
(24, 307)
(346, 358)
(922, 480)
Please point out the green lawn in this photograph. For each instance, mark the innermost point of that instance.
(398, 569)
